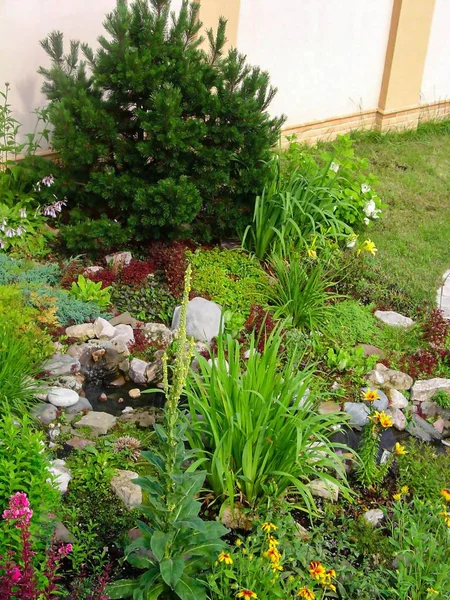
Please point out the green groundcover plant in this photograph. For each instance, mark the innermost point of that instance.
(154, 122)
(256, 428)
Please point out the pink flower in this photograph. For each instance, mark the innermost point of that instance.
(19, 509)
(64, 550)
(15, 574)
(48, 181)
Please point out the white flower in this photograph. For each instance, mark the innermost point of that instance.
(334, 167)
(4, 221)
(20, 230)
(23, 213)
(334, 208)
(10, 232)
(369, 208)
(365, 188)
(376, 214)
(366, 221)
(352, 239)
(2, 244)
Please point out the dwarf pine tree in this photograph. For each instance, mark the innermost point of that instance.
(154, 131)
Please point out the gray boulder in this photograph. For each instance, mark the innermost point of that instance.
(61, 364)
(425, 389)
(82, 332)
(203, 319)
(61, 474)
(118, 259)
(138, 370)
(394, 319)
(397, 399)
(45, 413)
(123, 334)
(422, 430)
(358, 413)
(82, 404)
(374, 516)
(123, 486)
(103, 329)
(157, 333)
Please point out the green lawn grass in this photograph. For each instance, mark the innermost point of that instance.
(413, 237)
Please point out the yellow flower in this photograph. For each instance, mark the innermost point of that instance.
(397, 496)
(246, 594)
(367, 246)
(404, 490)
(316, 569)
(276, 567)
(306, 593)
(445, 493)
(272, 541)
(273, 554)
(399, 449)
(370, 395)
(239, 542)
(226, 558)
(430, 590)
(311, 253)
(268, 527)
(382, 418)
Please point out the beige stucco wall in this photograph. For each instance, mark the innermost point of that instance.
(325, 56)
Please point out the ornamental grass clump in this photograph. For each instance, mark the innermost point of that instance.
(254, 426)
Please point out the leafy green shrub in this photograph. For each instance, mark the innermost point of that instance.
(251, 428)
(20, 324)
(232, 278)
(24, 468)
(344, 174)
(89, 291)
(140, 143)
(419, 541)
(21, 271)
(17, 387)
(423, 471)
(151, 302)
(93, 236)
(301, 291)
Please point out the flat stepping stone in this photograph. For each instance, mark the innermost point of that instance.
(63, 397)
(394, 319)
(98, 422)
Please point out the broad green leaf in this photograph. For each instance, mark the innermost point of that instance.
(158, 544)
(123, 588)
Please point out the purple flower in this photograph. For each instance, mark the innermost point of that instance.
(49, 211)
(18, 509)
(48, 181)
(20, 230)
(15, 574)
(10, 232)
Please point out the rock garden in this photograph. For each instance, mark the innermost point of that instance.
(202, 394)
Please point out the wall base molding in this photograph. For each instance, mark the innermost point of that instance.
(376, 119)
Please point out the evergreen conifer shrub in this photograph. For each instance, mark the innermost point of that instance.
(154, 131)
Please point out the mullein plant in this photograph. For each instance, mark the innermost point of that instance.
(369, 472)
(177, 547)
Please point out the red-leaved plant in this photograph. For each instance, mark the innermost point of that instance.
(18, 575)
